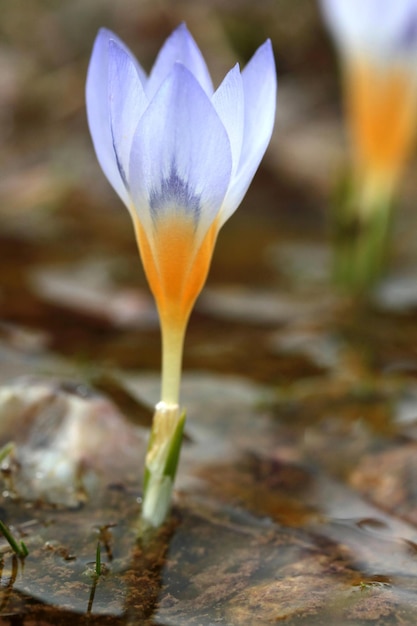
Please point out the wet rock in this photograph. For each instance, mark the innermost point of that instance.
(260, 306)
(389, 480)
(305, 263)
(69, 441)
(322, 349)
(398, 293)
(235, 569)
(373, 603)
(88, 288)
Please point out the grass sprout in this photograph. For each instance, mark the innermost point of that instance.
(98, 559)
(6, 450)
(18, 547)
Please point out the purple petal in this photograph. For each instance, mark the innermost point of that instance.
(181, 158)
(259, 85)
(228, 101)
(127, 104)
(180, 47)
(98, 110)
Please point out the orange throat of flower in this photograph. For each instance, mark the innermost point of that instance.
(381, 109)
(175, 268)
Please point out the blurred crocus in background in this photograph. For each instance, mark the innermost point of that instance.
(181, 157)
(377, 40)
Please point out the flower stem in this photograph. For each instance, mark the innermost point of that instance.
(172, 348)
(361, 237)
(166, 434)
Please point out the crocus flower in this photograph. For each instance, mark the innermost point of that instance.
(181, 156)
(378, 44)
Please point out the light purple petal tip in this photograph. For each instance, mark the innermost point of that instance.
(139, 69)
(260, 88)
(98, 109)
(127, 104)
(228, 100)
(180, 47)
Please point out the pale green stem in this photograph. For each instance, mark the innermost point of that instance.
(361, 224)
(172, 349)
(166, 434)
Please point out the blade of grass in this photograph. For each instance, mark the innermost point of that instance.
(98, 559)
(19, 548)
(7, 449)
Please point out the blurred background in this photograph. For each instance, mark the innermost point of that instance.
(66, 241)
(68, 260)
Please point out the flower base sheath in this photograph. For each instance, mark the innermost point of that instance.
(181, 156)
